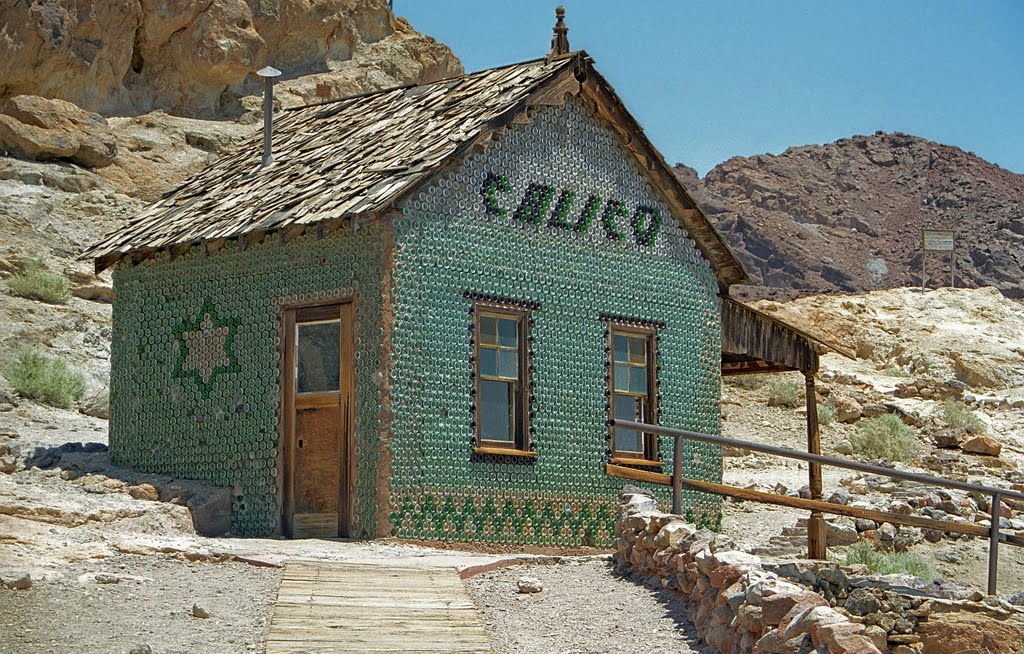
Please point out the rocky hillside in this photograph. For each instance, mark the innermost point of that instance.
(74, 167)
(129, 57)
(847, 216)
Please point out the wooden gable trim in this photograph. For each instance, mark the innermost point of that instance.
(612, 111)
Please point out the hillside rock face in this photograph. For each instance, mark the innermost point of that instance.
(37, 128)
(847, 216)
(130, 57)
(975, 336)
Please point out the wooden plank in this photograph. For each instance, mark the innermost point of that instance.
(336, 607)
(331, 647)
(411, 604)
(970, 529)
(816, 540)
(838, 509)
(613, 470)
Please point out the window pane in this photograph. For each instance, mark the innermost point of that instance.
(318, 357)
(508, 332)
(625, 407)
(496, 406)
(637, 380)
(621, 377)
(488, 330)
(621, 348)
(637, 347)
(627, 440)
(488, 362)
(508, 363)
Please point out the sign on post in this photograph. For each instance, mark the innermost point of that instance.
(938, 240)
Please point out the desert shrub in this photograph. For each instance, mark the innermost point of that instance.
(958, 416)
(906, 563)
(885, 437)
(783, 393)
(38, 283)
(749, 382)
(826, 414)
(39, 377)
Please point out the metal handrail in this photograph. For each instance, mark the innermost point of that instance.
(679, 434)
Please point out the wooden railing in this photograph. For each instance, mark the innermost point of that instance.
(815, 506)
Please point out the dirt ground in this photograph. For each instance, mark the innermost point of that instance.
(583, 608)
(123, 602)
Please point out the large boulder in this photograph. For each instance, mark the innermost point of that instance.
(982, 444)
(198, 59)
(953, 633)
(37, 128)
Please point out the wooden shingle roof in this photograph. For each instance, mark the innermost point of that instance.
(364, 154)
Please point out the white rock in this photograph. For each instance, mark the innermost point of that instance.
(530, 585)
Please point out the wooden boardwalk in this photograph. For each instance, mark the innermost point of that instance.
(344, 607)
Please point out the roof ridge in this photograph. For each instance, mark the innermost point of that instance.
(411, 85)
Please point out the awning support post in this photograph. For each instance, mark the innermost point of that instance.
(816, 541)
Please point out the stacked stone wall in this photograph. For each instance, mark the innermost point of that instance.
(740, 603)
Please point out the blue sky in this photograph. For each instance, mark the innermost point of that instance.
(709, 80)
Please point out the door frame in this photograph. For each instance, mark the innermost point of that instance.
(286, 417)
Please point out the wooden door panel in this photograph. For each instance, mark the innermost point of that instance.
(318, 471)
(318, 385)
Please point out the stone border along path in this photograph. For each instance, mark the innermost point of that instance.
(343, 607)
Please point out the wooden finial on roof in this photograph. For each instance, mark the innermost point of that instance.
(560, 39)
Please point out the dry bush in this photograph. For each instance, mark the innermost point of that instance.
(783, 393)
(38, 283)
(903, 563)
(885, 437)
(36, 376)
(958, 416)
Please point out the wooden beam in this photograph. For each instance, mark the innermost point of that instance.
(661, 479)
(752, 367)
(968, 528)
(816, 541)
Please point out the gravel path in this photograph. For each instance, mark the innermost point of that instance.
(584, 609)
(150, 603)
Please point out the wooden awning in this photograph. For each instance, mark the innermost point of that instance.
(754, 342)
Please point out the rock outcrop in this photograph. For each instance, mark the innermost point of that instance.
(847, 216)
(37, 128)
(130, 57)
(971, 337)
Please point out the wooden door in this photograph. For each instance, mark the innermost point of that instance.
(318, 390)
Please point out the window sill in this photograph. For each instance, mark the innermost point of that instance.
(629, 461)
(504, 451)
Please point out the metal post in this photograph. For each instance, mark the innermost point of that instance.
(993, 545)
(268, 113)
(924, 255)
(677, 476)
(816, 541)
(268, 73)
(952, 263)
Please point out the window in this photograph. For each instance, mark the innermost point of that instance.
(632, 391)
(501, 367)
